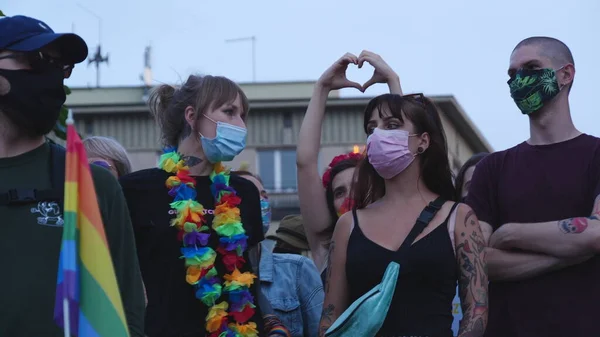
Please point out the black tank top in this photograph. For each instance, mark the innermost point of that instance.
(422, 302)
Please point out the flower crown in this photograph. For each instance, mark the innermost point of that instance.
(336, 160)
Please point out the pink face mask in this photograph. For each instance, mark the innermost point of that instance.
(388, 152)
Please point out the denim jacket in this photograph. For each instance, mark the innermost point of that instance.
(292, 284)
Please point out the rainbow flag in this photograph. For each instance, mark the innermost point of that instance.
(88, 302)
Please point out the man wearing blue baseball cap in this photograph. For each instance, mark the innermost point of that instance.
(34, 61)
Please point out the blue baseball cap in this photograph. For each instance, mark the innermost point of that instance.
(25, 34)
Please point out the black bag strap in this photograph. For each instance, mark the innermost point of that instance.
(58, 160)
(254, 256)
(56, 166)
(422, 221)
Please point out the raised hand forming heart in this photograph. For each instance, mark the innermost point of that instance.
(383, 72)
(335, 76)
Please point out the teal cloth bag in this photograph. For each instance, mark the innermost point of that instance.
(366, 315)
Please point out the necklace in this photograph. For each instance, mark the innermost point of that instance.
(226, 318)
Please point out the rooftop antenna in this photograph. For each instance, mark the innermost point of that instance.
(97, 57)
(146, 76)
(253, 40)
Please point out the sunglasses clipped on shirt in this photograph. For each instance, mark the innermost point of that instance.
(40, 61)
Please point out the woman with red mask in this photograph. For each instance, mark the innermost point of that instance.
(322, 200)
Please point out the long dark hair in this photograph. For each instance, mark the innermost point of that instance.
(435, 166)
(460, 177)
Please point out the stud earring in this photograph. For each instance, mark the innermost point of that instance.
(420, 150)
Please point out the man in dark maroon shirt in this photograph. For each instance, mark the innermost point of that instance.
(540, 200)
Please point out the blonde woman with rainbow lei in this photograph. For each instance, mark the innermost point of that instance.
(195, 224)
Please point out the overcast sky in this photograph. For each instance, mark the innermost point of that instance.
(438, 47)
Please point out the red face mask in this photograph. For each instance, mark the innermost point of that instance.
(346, 206)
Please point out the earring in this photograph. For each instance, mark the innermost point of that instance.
(420, 150)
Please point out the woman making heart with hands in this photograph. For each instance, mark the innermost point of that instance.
(404, 212)
(323, 200)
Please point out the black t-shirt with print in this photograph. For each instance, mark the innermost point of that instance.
(30, 241)
(173, 310)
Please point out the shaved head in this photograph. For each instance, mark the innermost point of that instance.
(553, 49)
(540, 52)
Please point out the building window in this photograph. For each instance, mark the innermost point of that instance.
(288, 170)
(89, 127)
(287, 119)
(266, 168)
(277, 169)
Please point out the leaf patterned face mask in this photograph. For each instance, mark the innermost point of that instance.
(531, 89)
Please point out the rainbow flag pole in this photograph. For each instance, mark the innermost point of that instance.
(88, 302)
(66, 321)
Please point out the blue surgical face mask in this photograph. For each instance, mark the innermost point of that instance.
(228, 143)
(265, 209)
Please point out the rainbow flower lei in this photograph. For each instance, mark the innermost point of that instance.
(224, 319)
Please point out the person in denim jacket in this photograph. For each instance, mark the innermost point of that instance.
(293, 286)
(290, 282)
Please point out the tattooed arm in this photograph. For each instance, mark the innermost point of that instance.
(504, 265)
(336, 297)
(473, 279)
(575, 237)
(514, 266)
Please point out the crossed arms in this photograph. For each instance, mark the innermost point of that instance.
(523, 250)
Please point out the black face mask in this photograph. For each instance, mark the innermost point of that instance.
(34, 100)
